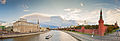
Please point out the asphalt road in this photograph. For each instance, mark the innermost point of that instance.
(85, 37)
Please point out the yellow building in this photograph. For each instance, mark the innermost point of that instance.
(23, 26)
(43, 29)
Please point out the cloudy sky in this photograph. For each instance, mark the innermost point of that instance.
(79, 10)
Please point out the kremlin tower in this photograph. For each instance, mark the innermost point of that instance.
(102, 28)
(116, 25)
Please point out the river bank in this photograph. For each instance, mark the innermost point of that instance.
(20, 35)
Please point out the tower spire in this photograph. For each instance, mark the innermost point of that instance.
(101, 14)
(101, 19)
(38, 22)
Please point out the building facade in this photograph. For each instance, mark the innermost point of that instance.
(43, 29)
(23, 26)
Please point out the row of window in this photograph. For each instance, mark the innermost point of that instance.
(18, 24)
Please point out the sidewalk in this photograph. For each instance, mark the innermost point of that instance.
(85, 37)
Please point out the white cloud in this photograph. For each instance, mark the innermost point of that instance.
(7, 24)
(25, 6)
(73, 10)
(67, 9)
(48, 19)
(26, 10)
(112, 16)
(118, 9)
(78, 14)
(35, 16)
(81, 4)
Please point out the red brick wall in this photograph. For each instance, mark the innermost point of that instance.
(89, 31)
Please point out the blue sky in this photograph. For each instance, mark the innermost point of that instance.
(14, 9)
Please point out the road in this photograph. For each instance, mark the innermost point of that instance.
(85, 37)
(56, 36)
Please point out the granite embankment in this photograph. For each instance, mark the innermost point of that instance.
(20, 35)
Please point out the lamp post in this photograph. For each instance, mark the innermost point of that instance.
(117, 34)
(93, 33)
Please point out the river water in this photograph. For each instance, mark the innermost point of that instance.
(56, 36)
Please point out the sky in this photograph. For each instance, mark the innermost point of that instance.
(79, 10)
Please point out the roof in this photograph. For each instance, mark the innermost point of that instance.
(24, 22)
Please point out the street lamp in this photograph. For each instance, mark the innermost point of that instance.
(93, 33)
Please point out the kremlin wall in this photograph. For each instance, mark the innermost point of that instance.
(99, 31)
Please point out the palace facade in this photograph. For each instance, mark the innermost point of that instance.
(23, 26)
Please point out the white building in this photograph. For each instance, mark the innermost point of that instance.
(23, 26)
